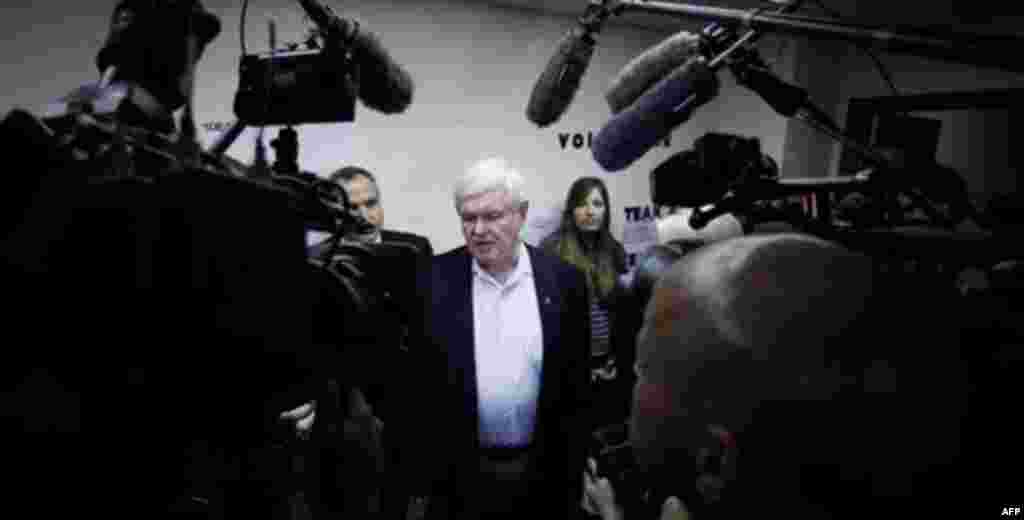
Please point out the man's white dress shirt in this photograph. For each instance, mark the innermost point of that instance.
(509, 350)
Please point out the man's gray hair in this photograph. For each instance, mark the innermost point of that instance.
(492, 174)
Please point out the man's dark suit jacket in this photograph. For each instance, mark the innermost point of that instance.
(443, 345)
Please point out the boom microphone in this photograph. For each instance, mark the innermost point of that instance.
(650, 66)
(654, 63)
(558, 83)
(384, 86)
(630, 133)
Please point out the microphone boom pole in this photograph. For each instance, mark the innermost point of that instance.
(973, 49)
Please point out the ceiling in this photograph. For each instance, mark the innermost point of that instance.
(981, 16)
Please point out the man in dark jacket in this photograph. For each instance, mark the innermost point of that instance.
(503, 340)
(379, 340)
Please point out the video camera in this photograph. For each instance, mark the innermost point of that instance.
(610, 447)
(705, 173)
(700, 485)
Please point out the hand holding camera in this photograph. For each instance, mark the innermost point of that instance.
(599, 498)
(598, 494)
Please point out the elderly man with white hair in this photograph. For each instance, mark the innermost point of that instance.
(504, 344)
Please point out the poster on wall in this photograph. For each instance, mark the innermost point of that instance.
(639, 232)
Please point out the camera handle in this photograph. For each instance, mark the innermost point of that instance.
(286, 146)
(286, 151)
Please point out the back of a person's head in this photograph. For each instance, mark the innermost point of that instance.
(149, 47)
(841, 383)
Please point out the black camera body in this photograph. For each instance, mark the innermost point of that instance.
(700, 483)
(295, 87)
(716, 163)
(611, 448)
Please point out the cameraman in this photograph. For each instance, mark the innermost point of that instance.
(150, 358)
(380, 345)
(767, 350)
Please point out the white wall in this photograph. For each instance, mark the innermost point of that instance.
(473, 66)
